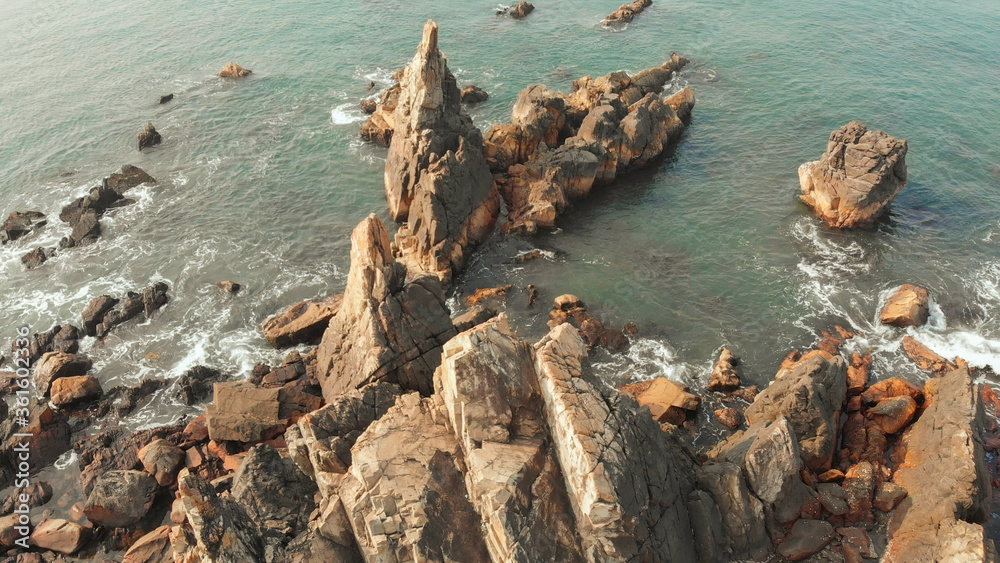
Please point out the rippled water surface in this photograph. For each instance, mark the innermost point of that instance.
(262, 180)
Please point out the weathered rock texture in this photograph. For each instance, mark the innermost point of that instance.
(233, 70)
(945, 475)
(379, 127)
(558, 147)
(436, 178)
(149, 137)
(20, 224)
(857, 178)
(302, 323)
(388, 328)
(907, 306)
(627, 12)
(215, 530)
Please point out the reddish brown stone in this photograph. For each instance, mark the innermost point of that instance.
(893, 387)
(831, 476)
(197, 429)
(926, 358)
(730, 418)
(859, 484)
(857, 374)
(893, 414)
(888, 496)
(667, 401)
(487, 294)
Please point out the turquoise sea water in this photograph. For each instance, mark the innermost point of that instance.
(262, 180)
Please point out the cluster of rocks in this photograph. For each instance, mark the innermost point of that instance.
(105, 313)
(627, 12)
(558, 147)
(518, 11)
(21, 223)
(857, 178)
(83, 215)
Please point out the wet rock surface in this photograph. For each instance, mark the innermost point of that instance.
(628, 12)
(20, 224)
(233, 70)
(907, 306)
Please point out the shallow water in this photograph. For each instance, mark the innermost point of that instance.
(262, 180)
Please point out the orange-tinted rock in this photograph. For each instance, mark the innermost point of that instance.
(153, 547)
(68, 390)
(302, 323)
(667, 401)
(162, 460)
(197, 429)
(730, 418)
(854, 403)
(627, 12)
(888, 496)
(233, 70)
(893, 414)
(859, 484)
(926, 358)
(58, 535)
(908, 306)
(748, 394)
(892, 387)
(487, 294)
(831, 476)
(725, 374)
(857, 373)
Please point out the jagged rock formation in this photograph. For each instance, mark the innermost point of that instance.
(558, 147)
(518, 11)
(436, 179)
(945, 475)
(857, 178)
(105, 313)
(628, 12)
(387, 328)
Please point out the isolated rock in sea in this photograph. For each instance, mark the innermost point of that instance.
(558, 147)
(20, 224)
(233, 70)
(405, 493)
(68, 390)
(388, 328)
(215, 529)
(488, 383)
(436, 178)
(472, 94)
(947, 480)
(36, 257)
(627, 480)
(302, 323)
(907, 306)
(729, 417)
(320, 442)
(120, 498)
(166, 98)
(857, 178)
(229, 287)
(149, 301)
(725, 373)
(517, 11)
(627, 12)
(149, 137)
(809, 394)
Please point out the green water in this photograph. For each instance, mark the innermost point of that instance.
(262, 180)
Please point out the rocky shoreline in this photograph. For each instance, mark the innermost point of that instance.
(405, 433)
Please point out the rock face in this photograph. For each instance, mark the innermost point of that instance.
(20, 224)
(945, 475)
(303, 323)
(387, 329)
(908, 306)
(120, 498)
(857, 178)
(233, 70)
(810, 394)
(627, 12)
(436, 178)
(558, 147)
(149, 137)
(627, 483)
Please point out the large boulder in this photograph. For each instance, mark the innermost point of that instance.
(63, 536)
(120, 498)
(405, 493)
(810, 394)
(945, 476)
(907, 306)
(320, 442)
(857, 177)
(153, 547)
(628, 481)
(55, 365)
(243, 412)
(20, 224)
(68, 390)
(302, 323)
(436, 177)
(488, 384)
(162, 460)
(388, 328)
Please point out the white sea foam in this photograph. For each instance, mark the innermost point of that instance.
(346, 114)
(646, 359)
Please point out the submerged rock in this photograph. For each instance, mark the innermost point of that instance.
(149, 137)
(20, 224)
(857, 178)
(233, 70)
(627, 12)
(436, 178)
(388, 328)
(37, 257)
(908, 306)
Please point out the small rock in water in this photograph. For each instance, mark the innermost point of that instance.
(233, 70)
(36, 257)
(486, 294)
(165, 99)
(371, 85)
(628, 12)
(730, 418)
(908, 306)
(368, 107)
(149, 137)
(474, 95)
(20, 224)
(725, 375)
(229, 287)
(517, 11)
